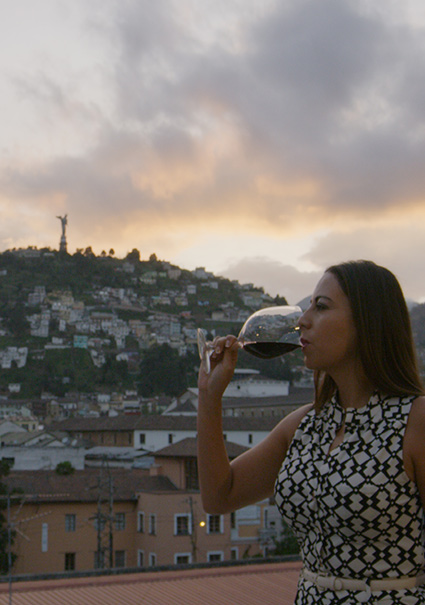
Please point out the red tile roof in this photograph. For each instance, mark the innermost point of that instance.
(266, 583)
(188, 448)
(156, 422)
(83, 485)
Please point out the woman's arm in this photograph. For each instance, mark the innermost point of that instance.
(250, 477)
(414, 446)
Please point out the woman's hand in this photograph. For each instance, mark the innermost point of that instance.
(223, 362)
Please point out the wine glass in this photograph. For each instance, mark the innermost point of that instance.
(267, 333)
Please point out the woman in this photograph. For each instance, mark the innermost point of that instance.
(348, 472)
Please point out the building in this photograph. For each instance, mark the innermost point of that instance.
(271, 406)
(103, 517)
(256, 397)
(82, 521)
(157, 431)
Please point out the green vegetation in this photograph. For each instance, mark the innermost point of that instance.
(64, 468)
(4, 533)
(137, 286)
(287, 544)
(162, 370)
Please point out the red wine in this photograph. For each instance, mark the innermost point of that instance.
(268, 350)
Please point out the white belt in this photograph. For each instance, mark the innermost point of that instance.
(336, 584)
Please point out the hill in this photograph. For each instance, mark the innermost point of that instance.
(89, 323)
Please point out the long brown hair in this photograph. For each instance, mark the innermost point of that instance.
(384, 334)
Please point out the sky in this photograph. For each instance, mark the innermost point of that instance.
(261, 139)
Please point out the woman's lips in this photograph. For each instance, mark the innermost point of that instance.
(304, 343)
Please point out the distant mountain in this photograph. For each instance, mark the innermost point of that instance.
(304, 303)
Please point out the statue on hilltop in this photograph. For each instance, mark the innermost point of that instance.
(64, 222)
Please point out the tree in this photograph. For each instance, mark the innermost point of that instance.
(133, 256)
(88, 252)
(65, 468)
(162, 372)
(17, 321)
(4, 533)
(113, 372)
(287, 544)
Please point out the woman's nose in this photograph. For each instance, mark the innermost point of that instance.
(304, 321)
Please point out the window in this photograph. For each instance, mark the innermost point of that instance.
(234, 554)
(215, 556)
(141, 558)
(70, 522)
(233, 520)
(170, 438)
(141, 522)
(250, 438)
(152, 559)
(191, 473)
(215, 524)
(152, 525)
(182, 558)
(44, 537)
(182, 525)
(69, 561)
(120, 558)
(142, 438)
(120, 521)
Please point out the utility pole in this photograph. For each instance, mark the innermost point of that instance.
(9, 548)
(111, 522)
(105, 518)
(193, 536)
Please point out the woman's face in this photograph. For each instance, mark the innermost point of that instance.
(328, 336)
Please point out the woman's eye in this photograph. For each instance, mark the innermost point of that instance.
(320, 306)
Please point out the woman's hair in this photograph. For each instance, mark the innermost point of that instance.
(384, 334)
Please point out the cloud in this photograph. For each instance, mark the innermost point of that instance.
(275, 277)
(399, 246)
(193, 118)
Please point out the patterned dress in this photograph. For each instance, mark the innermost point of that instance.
(354, 510)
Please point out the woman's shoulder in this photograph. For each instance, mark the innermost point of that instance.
(413, 446)
(417, 412)
(296, 416)
(414, 437)
(287, 427)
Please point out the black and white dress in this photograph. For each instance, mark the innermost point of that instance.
(354, 510)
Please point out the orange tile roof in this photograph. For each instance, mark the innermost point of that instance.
(188, 448)
(82, 485)
(234, 585)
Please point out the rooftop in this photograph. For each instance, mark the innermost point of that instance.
(188, 448)
(236, 585)
(82, 485)
(158, 422)
(299, 396)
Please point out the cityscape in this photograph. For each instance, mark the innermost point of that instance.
(120, 445)
(175, 166)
